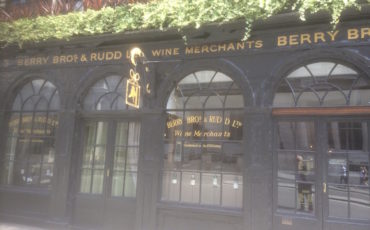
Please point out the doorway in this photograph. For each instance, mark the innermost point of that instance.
(107, 181)
(321, 173)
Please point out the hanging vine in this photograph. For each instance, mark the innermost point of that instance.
(161, 14)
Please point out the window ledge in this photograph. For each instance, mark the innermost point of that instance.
(233, 212)
(29, 190)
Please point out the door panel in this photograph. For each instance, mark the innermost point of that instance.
(108, 175)
(347, 162)
(321, 169)
(296, 170)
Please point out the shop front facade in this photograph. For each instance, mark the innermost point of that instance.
(269, 133)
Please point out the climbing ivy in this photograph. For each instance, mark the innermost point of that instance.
(161, 14)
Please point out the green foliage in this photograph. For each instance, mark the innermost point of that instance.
(160, 14)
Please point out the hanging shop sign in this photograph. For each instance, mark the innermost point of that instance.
(133, 86)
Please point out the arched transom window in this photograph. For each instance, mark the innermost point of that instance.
(30, 146)
(108, 93)
(202, 162)
(323, 84)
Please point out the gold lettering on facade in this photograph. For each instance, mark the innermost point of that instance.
(165, 52)
(320, 36)
(63, 59)
(83, 58)
(240, 45)
(258, 44)
(365, 32)
(32, 61)
(353, 34)
(332, 35)
(306, 38)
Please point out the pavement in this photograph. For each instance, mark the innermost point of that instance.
(11, 226)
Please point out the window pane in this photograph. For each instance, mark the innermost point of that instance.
(347, 136)
(232, 190)
(117, 183)
(334, 98)
(214, 101)
(337, 171)
(98, 180)
(85, 181)
(52, 124)
(101, 133)
(358, 164)
(27, 91)
(99, 158)
(305, 135)
(39, 124)
(287, 165)
(88, 157)
(193, 126)
(211, 189)
(306, 197)
(360, 203)
(14, 124)
(211, 161)
(121, 134)
(286, 135)
(213, 124)
(17, 104)
(46, 174)
(172, 156)
(308, 99)
(130, 184)
(26, 123)
(171, 186)
(7, 171)
(174, 125)
(233, 121)
(192, 156)
(232, 158)
(134, 134)
(119, 158)
(132, 158)
(190, 187)
(286, 194)
(338, 201)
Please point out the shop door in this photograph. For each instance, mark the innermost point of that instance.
(346, 191)
(322, 174)
(107, 175)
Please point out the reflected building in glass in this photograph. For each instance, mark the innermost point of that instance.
(227, 134)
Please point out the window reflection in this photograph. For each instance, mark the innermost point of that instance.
(203, 156)
(123, 174)
(30, 146)
(322, 84)
(296, 166)
(348, 164)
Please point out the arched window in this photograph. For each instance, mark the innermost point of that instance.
(322, 142)
(203, 160)
(323, 84)
(111, 146)
(107, 94)
(30, 148)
